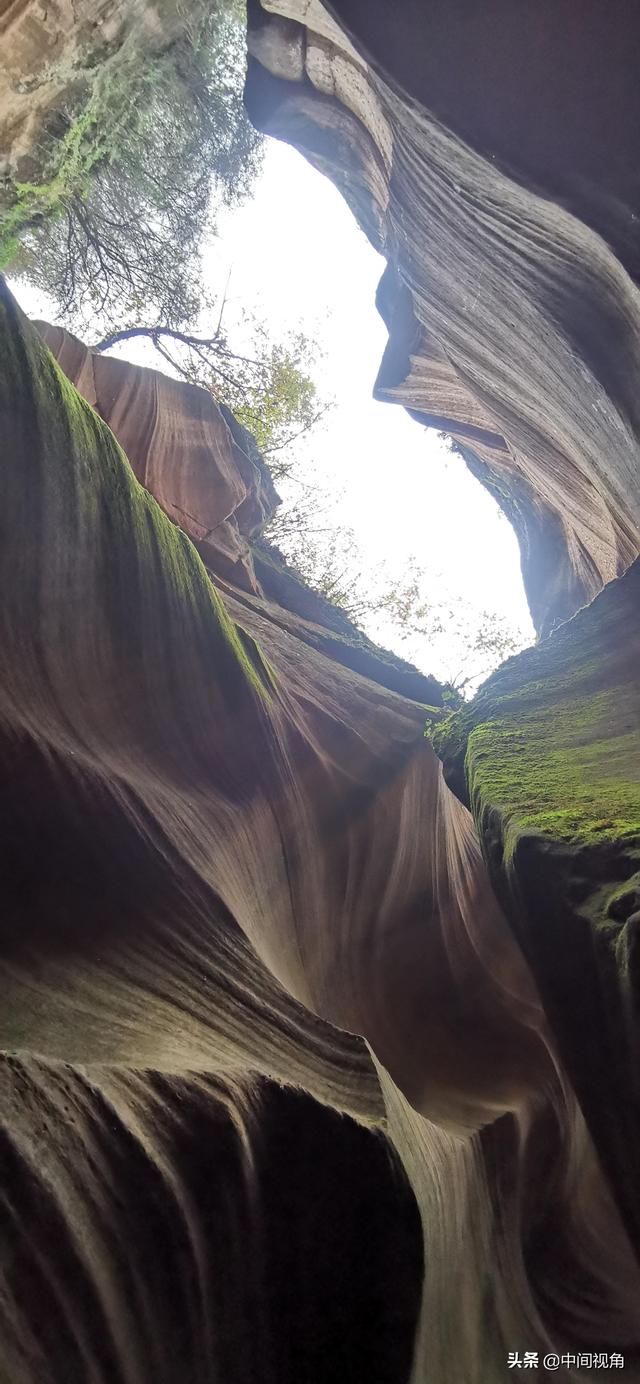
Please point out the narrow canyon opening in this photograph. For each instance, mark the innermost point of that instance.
(380, 517)
(319, 692)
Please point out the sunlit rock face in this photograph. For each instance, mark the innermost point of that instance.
(276, 787)
(309, 1072)
(489, 151)
(181, 449)
(231, 865)
(205, 471)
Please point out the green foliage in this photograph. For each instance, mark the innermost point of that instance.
(393, 606)
(272, 393)
(67, 170)
(323, 553)
(114, 228)
(550, 746)
(439, 725)
(132, 552)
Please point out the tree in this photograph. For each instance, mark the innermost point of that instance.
(134, 176)
(114, 236)
(121, 258)
(270, 391)
(323, 553)
(398, 607)
(273, 395)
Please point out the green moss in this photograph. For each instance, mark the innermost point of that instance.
(562, 771)
(115, 104)
(75, 495)
(624, 900)
(66, 174)
(552, 742)
(549, 754)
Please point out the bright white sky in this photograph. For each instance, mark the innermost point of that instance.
(299, 260)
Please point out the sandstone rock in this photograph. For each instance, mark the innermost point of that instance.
(489, 152)
(152, 1235)
(227, 854)
(177, 762)
(513, 322)
(231, 865)
(551, 752)
(182, 450)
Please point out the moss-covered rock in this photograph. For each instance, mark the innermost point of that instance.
(552, 741)
(548, 756)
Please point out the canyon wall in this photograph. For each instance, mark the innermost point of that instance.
(318, 1038)
(490, 154)
(226, 853)
(52, 56)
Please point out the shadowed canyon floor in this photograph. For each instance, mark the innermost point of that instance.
(319, 1036)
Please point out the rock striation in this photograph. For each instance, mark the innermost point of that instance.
(511, 296)
(318, 1047)
(506, 204)
(248, 862)
(181, 449)
(205, 471)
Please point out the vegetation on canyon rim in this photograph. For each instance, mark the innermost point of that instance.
(113, 232)
(537, 745)
(113, 225)
(131, 184)
(98, 481)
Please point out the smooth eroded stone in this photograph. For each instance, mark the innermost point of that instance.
(550, 750)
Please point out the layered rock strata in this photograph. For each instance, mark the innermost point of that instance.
(225, 856)
(489, 153)
(309, 1071)
(507, 205)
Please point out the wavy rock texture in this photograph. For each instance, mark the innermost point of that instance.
(300, 805)
(205, 471)
(304, 1079)
(507, 205)
(490, 153)
(225, 854)
(181, 449)
(237, 851)
(156, 1228)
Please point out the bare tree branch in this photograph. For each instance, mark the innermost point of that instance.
(128, 333)
(286, 442)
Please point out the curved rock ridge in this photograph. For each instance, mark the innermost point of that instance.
(227, 859)
(180, 448)
(205, 471)
(508, 208)
(283, 1094)
(281, 819)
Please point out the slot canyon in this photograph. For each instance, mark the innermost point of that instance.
(320, 1034)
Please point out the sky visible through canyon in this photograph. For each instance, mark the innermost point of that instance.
(295, 256)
